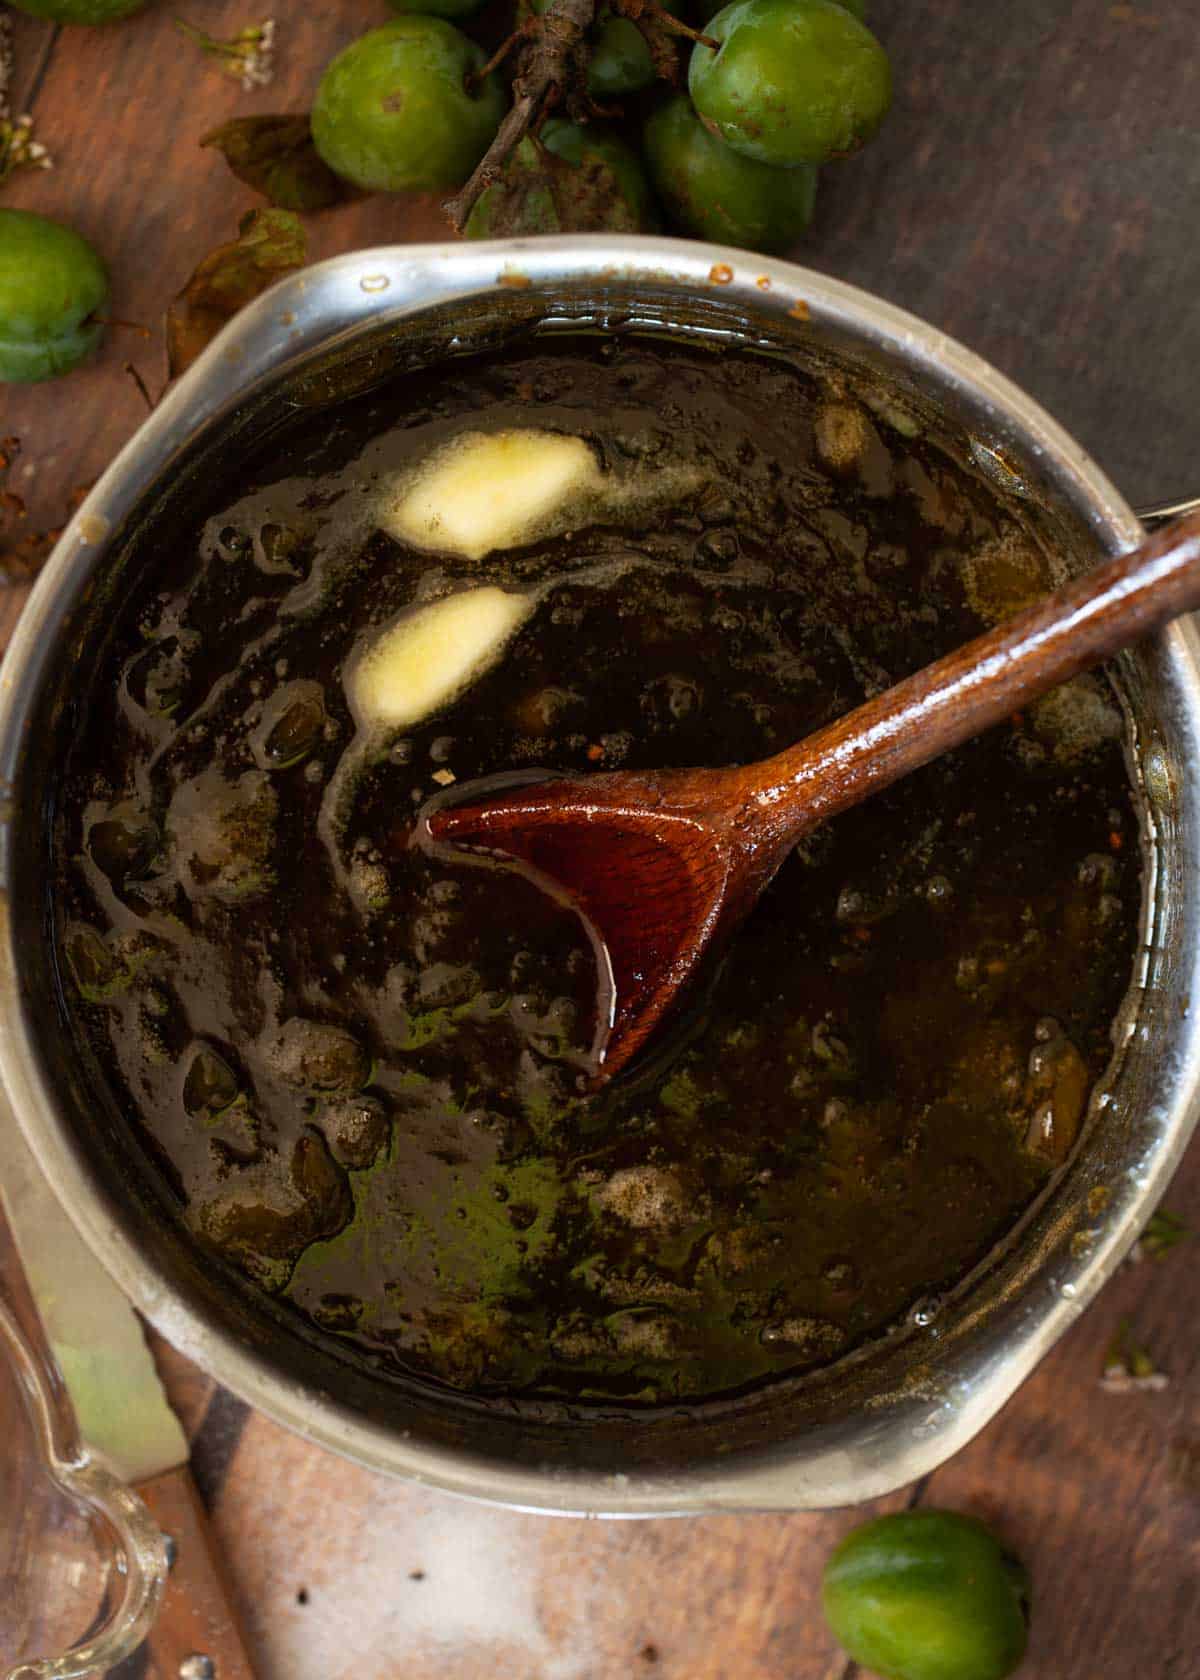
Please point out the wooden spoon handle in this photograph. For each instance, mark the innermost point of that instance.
(980, 684)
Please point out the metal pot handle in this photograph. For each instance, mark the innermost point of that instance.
(1153, 517)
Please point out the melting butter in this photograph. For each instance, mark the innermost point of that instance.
(492, 490)
(429, 654)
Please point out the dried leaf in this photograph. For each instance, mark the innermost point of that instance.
(270, 243)
(540, 192)
(22, 551)
(276, 156)
(22, 559)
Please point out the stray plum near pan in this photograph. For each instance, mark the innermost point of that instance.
(362, 1068)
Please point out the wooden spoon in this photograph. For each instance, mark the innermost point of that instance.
(663, 865)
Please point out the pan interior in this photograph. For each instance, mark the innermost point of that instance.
(830, 1406)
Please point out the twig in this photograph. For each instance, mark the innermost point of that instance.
(141, 385)
(666, 21)
(606, 113)
(550, 72)
(662, 33)
(663, 55)
(116, 321)
(521, 33)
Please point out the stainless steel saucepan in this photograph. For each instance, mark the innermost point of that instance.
(897, 1408)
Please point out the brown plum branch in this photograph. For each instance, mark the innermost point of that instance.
(551, 70)
(521, 33)
(662, 32)
(671, 25)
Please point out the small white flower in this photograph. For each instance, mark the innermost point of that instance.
(248, 56)
(1119, 1380)
(18, 148)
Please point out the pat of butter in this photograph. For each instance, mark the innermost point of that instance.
(430, 654)
(486, 491)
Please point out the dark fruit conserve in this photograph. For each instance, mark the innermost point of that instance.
(361, 1068)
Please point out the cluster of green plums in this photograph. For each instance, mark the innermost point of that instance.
(789, 85)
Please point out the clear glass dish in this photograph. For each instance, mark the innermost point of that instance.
(82, 1564)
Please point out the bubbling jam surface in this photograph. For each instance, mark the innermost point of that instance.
(359, 1066)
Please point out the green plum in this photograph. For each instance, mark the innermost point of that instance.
(394, 113)
(715, 193)
(52, 284)
(79, 11)
(793, 81)
(620, 61)
(928, 1595)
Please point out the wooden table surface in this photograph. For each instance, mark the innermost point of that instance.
(1038, 195)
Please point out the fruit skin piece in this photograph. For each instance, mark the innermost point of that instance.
(79, 11)
(928, 1595)
(713, 192)
(794, 81)
(577, 141)
(575, 178)
(51, 284)
(392, 112)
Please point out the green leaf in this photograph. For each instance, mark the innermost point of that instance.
(270, 243)
(276, 156)
(1163, 1232)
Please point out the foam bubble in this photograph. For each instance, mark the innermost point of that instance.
(1004, 575)
(1077, 719)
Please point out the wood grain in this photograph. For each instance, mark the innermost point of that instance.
(1101, 1491)
(197, 1618)
(378, 1579)
(122, 110)
(1034, 193)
